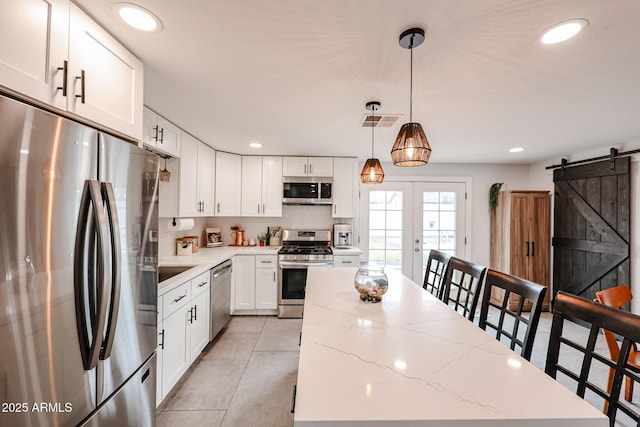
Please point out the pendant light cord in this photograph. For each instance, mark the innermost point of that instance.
(373, 110)
(411, 80)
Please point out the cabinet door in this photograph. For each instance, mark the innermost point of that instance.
(200, 316)
(539, 220)
(294, 166)
(228, 184)
(272, 186)
(206, 177)
(149, 128)
(169, 137)
(320, 166)
(34, 38)
(519, 239)
(345, 187)
(244, 279)
(188, 182)
(111, 91)
(266, 289)
(175, 357)
(252, 185)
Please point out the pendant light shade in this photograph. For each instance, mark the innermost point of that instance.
(372, 172)
(411, 147)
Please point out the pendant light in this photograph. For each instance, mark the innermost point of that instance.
(372, 172)
(411, 147)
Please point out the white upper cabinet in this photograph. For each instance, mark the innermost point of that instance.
(345, 187)
(228, 184)
(196, 179)
(160, 135)
(307, 166)
(54, 53)
(34, 40)
(261, 186)
(105, 81)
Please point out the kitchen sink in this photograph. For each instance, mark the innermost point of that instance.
(165, 273)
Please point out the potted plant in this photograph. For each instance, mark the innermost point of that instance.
(262, 238)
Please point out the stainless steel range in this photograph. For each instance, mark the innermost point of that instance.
(300, 250)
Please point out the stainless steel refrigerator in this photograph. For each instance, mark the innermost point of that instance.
(78, 273)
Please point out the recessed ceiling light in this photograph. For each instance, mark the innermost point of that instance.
(255, 145)
(516, 150)
(138, 17)
(563, 31)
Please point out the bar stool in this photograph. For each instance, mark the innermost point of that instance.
(596, 316)
(515, 323)
(435, 271)
(462, 286)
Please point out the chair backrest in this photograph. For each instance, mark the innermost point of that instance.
(597, 316)
(616, 298)
(462, 286)
(511, 324)
(435, 271)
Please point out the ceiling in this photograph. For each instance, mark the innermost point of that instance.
(295, 75)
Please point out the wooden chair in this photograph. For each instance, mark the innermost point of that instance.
(435, 271)
(617, 297)
(597, 316)
(515, 322)
(462, 286)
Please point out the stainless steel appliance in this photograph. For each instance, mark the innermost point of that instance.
(307, 190)
(301, 249)
(220, 297)
(78, 273)
(342, 235)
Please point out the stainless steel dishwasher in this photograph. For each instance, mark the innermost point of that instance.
(220, 297)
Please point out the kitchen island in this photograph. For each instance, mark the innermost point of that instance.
(412, 361)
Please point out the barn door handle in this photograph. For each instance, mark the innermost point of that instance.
(527, 248)
(533, 248)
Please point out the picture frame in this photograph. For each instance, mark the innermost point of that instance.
(214, 237)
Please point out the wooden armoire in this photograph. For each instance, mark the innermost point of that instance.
(520, 237)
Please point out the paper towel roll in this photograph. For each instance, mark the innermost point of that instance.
(179, 224)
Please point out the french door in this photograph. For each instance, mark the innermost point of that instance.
(402, 221)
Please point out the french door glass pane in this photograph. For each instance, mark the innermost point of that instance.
(439, 221)
(385, 228)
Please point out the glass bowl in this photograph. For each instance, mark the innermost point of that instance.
(371, 283)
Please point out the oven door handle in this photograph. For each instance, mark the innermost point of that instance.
(305, 264)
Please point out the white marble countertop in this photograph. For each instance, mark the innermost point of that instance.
(412, 361)
(346, 251)
(205, 259)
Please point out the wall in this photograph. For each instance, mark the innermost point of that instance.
(516, 177)
(541, 178)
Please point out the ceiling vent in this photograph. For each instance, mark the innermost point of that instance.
(380, 121)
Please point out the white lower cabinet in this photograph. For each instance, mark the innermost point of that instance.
(255, 284)
(346, 260)
(183, 330)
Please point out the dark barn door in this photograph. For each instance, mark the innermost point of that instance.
(591, 227)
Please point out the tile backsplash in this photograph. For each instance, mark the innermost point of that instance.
(318, 217)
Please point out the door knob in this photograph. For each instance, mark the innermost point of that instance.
(417, 240)
(417, 249)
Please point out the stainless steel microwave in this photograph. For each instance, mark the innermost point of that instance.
(307, 190)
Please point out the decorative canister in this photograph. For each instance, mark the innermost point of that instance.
(184, 247)
(371, 283)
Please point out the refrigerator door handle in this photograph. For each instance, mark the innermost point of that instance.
(90, 221)
(114, 306)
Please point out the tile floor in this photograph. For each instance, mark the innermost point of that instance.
(246, 376)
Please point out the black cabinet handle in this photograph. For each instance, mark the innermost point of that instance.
(533, 248)
(293, 399)
(82, 79)
(162, 342)
(527, 248)
(161, 131)
(65, 71)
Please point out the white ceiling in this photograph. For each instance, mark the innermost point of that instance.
(296, 74)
